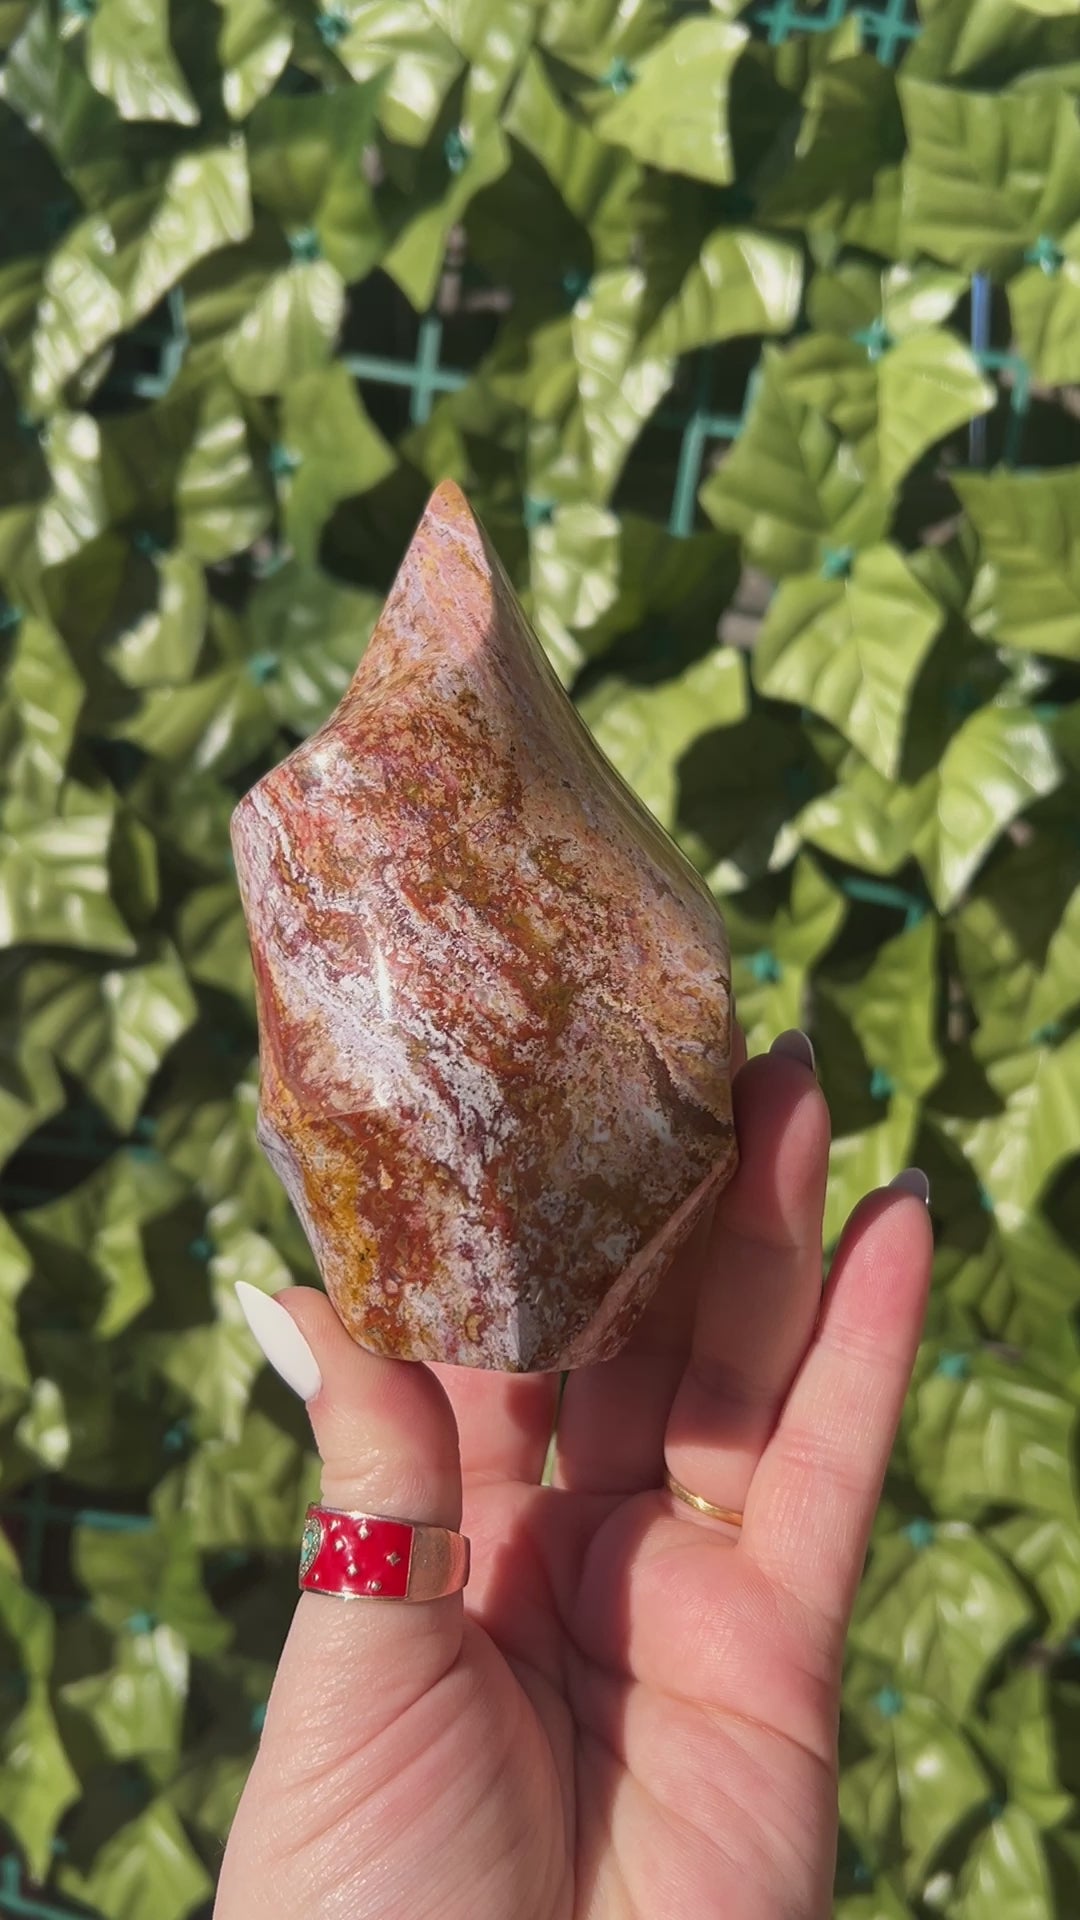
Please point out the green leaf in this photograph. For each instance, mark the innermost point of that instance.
(37, 1781)
(162, 646)
(940, 1612)
(790, 486)
(290, 329)
(998, 1438)
(986, 173)
(251, 1492)
(742, 282)
(253, 46)
(1046, 1551)
(644, 731)
(1045, 308)
(222, 501)
(137, 1706)
(1027, 526)
(893, 1008)
(996, 764)
(154, 1572)
(851, 650)
(772, 952)
(692, 66)
(401, 39)
(851, 138)
(54, 875)
(914, 1790)
(1006, 1872)
(335, 450)
(149, 1866)
(1035, 1130)
(129, 59)
(112, 1028)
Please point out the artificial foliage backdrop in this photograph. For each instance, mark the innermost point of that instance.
(753, 333)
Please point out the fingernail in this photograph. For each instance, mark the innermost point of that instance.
(280, 1340)
(797, 1046)
(913, 1180)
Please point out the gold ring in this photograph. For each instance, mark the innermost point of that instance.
(697, 1500)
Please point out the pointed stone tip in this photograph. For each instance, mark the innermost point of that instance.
(448, 504)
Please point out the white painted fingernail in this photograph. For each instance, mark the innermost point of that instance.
(280, 1339)
(913, 1180)
(797, 1045)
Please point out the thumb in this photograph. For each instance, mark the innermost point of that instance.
(388, 1441)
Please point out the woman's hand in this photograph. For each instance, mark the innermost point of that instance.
(633, 1715)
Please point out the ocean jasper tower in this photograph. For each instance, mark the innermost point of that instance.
(494, 999)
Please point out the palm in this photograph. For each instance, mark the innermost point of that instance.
(637, 1716)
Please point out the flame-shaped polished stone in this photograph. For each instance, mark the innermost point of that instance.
(493, 997)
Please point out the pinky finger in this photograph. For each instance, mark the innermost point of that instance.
(816, 1488)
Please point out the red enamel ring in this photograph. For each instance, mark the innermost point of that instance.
(367, 1556)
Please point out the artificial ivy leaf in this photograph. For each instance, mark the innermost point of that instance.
(15, 1270)
(415, 259)
(1047, 1552)
(1035, 1130)
(928, 385)
(334, 450)
(306, 159)
(205, 204)
(619, 385)
(772, 952)
(573, 564)
(250, 1492)
(54, 875)
(253, 46)
(137, 1705)
(903, 298)
(742, 282)
(995, 765)
(915, 1789)
(111, 1028)
(987, 172)
(866, 1157)
(153, 1573)
(37, 1781)
(46, 696)
(1027, 527)
(212, 938)
(148, 1866)
(851, 135)
(645, 730)
(162, 647)
(31, 1091)
(851, 650)
(214, 1366)
(1044, 302)
(940, 1611)
(693, 64)
(594, 181)
(219, 722)
(314, 631)
(222, 501)
(130, 60)
(1006, 1872)
(893, 1008)
(790, 486)
(1018, 945)
(400, 39)
(289, 330)
(996, 1438)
